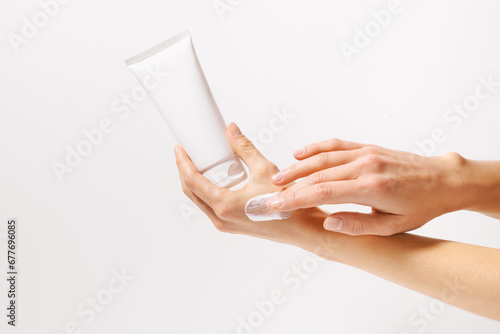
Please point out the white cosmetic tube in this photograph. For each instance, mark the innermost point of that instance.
(186, 103)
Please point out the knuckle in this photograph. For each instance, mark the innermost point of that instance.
(222, 211)
(378, 184)
(245, 144)
(291, 197)
(322, 160)
(322, 190)
(266, 168)
(335, 143)
(356, 227)
(370, 149)
(372, 162)
(189, 180)
(310, 149)
(314, 147)
(316, 178)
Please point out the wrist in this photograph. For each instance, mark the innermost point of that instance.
(460, 192)
(310, 234)
(482, 184)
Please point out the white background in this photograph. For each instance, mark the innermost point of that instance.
(122, 207)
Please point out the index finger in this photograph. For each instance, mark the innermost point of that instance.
(338, 192)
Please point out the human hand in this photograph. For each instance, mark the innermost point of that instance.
(226, 208)
(404, 190)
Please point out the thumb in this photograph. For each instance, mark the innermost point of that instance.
(245, 150)
(355, 223)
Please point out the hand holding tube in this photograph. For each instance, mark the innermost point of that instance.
(463, 275)
(226, 208)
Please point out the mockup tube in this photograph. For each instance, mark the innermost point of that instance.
(186, 103)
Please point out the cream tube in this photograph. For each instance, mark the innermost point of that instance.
(186, 103)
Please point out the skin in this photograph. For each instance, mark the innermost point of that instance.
(462, 275)
(404, 190)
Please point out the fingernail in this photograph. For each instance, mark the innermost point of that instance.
(275, 202)
(299, 152)
(234, 129)
(176, 150)
(334, 224)
(277, 177)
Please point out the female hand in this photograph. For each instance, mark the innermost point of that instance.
(404, 190)
(226, 208)
(409, 189)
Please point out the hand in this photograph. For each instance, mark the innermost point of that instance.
(410, 189)
(404, 190)
(226, 208)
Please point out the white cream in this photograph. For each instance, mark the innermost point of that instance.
(256, 209)
(187, 105)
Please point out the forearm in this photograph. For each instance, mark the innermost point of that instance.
(462, 275)
(481, 180)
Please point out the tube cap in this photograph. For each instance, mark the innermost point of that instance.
(227, 173)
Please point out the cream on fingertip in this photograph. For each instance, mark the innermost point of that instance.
(256, 209)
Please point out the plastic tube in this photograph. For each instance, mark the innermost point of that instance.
(186, 103)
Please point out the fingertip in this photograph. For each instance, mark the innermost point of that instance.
(300, 153)
(177, 153)
(275, 203)
(233, 129)
(278, 178)
(334, 224)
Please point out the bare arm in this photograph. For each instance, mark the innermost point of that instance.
(482, 179)
(462, 275)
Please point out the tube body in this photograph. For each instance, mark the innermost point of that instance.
(186, 103)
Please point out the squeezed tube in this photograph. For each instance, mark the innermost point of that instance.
(187, 105)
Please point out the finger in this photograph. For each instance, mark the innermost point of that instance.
(220, 224)
(314, 164)
(325, 146)
(318, 194)
(355, 223)
(339, 173)
(247, 152)
(200, 204)
(195, 199)
(194, 181)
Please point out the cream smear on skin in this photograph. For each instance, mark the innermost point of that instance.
(256, 209)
